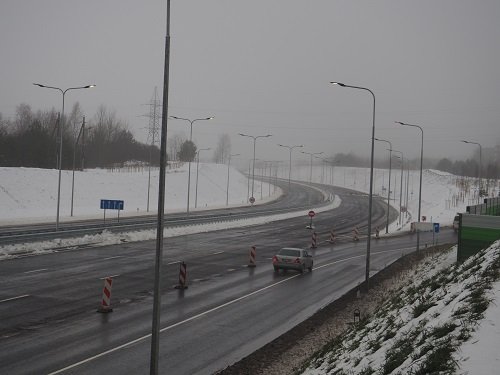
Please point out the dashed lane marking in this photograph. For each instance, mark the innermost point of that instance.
(14, 298)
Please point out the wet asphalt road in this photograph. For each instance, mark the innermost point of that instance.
(48, 303)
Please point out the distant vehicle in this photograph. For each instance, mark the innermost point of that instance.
(293, 258)
(456, 223)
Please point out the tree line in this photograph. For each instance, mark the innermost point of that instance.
(32, 139)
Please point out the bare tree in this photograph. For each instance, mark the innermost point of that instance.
(223, 149)
(174, 144)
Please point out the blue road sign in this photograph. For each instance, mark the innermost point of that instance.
(111, 204)
(436, 227)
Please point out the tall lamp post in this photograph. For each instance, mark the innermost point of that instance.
(420, 186)
(82, 131)
(370, 199)
(311, 154)
(389, 187)
(254, 137)
(191, 122)
(197, 168)
(290, 148)
(227, 188)
(400, 184)
(61, 127)
(479, 172)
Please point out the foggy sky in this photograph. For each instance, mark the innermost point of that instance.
(264, 66)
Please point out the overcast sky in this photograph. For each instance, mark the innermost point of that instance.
(264, 66)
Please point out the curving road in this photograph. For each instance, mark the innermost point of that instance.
(48, 302)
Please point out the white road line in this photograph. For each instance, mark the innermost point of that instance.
(217, 253)
(39, 270)
(117, 256)
(14, 298)
(105, 277)
(171, 326)
(171, 263)
(205, 313)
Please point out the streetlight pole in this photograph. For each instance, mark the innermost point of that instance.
(227, 188)
(311, 154)
(254, 142)
(400, 184)
(155, 326)
(197, 167)
(479, 172)
(420, 186)
(367, 271)
(61, 127)
(191, 122)
(389, 187)
(290, 148)
(74, 162)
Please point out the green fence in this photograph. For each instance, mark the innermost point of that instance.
(491, 206)
(476, 232)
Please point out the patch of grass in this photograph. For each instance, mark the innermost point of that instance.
(397, 355)
(439, 361)
(367, 371)
(422, 307)
(444, 330)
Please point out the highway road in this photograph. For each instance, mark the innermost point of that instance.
(48, 303)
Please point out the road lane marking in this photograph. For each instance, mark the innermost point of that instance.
(171, 263)
(112, 350)
(14, 298)
(217, 253)
(105, 277)
(117, 256)
(39, 270)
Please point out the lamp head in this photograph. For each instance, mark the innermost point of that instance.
(337, 83)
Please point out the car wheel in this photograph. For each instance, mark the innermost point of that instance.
(276, 269)
(311, 268)
(303, 268)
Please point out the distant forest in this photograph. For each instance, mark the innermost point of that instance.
(32, 140)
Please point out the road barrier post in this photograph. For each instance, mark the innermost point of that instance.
(355, 234)
(251, 259)
(106, 296)
(314, 240)
(332, 236)
(182, 276)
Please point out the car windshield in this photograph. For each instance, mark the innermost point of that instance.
(290, 252)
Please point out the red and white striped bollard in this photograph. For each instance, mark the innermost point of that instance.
(106, 296)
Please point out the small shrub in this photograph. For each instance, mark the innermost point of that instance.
(422, 307)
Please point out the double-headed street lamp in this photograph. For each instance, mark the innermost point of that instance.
(197, 167)
(227, 188)
(290, 148)
(254, 137)
(420, 186)
(191, 122)
(479, 172)
(389, 187)
(311, 154)
(61, 127)
(367, 271)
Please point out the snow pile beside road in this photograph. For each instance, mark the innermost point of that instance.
(107, 238)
